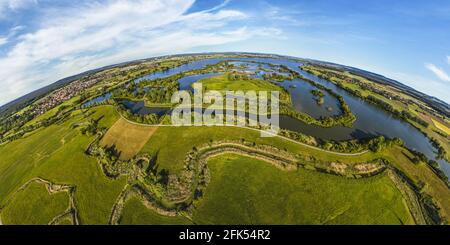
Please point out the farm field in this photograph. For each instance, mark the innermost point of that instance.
(441, 126)
(129, 143)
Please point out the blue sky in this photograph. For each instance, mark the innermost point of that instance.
(42, 41)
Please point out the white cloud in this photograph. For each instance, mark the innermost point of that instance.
(70, 41)
(3, 40)
(13, 5)
(441, 74)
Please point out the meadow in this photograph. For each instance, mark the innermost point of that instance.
(136, 213)
(34, 206)
(171, 144)
(248, 191)
(57, 153)
(244, 190)
(232, 189)
(223, 83)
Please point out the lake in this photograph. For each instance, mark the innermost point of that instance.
(371, 121)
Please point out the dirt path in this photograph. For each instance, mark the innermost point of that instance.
(52, 188)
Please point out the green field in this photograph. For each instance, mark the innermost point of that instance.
(171, 144)
(248, 191)
(57, 153)
(56, 161)
(222, 83)
(136, 213)
(34, 205)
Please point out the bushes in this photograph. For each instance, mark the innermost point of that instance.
(331, 76)
(317, 93)
(379, 143)
(273, 76)
(145, 119)
(237, 76)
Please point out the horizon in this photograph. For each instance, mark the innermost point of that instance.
(200, 53)
(43, 42)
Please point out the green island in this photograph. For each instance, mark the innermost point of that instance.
(405, 106)
(108, 154)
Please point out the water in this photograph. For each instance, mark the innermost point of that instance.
(138, 107)
(97, 100)
(186, 67)
(187, 81)
(371, 121)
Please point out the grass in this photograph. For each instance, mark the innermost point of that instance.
(65, 222)
(421, 173)
(171, 144)
(127, 138)
(34, 205)
(52, 112)
(222, 83)
(135, 212)
(441, 126)
(412, 106)
(242, 190)
(248, 191)
(57, 153)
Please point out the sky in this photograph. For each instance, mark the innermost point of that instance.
(42, 41)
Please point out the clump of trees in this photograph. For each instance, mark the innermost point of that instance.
(338, 78)
(379, 143)
(376, 144)
(273, 76)
(317, 93)
(420, 157)
(298, 136)
(319, 96)
(90, 129)
(146, 119)
(237, 76)
(346, 119)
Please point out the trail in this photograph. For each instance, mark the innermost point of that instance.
(52, 188)
(254, 129)
(277, 158)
